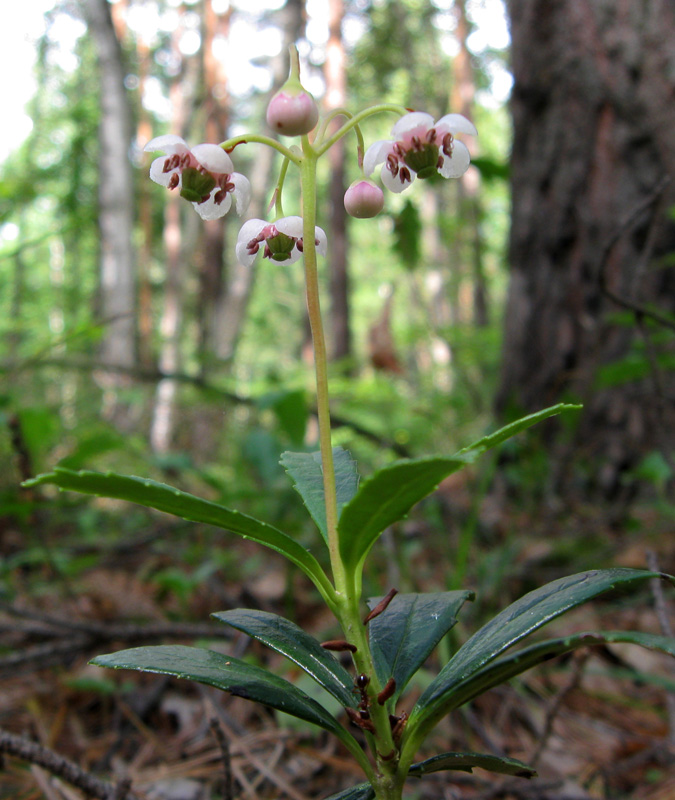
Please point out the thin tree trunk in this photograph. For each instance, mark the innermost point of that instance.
(232, 313)
(336, 97)
(116, 196)
(213, 267)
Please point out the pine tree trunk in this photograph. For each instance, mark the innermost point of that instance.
(594, 134)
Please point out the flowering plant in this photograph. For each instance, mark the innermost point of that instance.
(388, 642)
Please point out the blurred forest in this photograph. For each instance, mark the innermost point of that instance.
(131, 340)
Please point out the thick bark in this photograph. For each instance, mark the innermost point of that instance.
(594, 133)
(116, 195)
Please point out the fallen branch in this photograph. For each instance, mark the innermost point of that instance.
(64, 768)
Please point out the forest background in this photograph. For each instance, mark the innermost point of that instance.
(131, 339)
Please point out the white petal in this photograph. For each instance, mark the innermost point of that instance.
(210, 210)
(243, 256)
(394, 184)
(242, 192)
(320, 236)
(409, 122)
(291, 226)
(376, 154)
(213, 158)
(169, 143)
(157, 173)
(459, 162)
(456, 123)
(249, 230)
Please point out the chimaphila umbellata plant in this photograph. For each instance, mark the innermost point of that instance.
(391, 638)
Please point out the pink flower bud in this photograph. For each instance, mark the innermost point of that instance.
(292, 114)
(364, 199)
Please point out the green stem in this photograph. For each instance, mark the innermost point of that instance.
(356, 120)
(229, 144)
(385, 779)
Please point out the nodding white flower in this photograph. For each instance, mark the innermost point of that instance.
(420, 147)
(204, 174)
(281, 240)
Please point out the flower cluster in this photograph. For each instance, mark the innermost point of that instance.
(205, 175)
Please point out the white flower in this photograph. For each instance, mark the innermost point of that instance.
(282, 240)
(420, 147)
(204, 173)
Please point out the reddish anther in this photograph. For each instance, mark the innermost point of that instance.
(381, 606)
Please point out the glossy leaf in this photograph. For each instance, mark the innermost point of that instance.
(507, 667)
(513, 428)
(403, 636)
(307, 475)
(304, 650)
(387, 497)
(173, 501)
(362, 791)
(389, 494)
(465, 762)
(230, 675)
(510, 626)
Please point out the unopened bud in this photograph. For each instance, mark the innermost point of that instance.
(364, 199)
(292, 114)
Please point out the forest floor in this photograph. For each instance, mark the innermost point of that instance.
(595, 724)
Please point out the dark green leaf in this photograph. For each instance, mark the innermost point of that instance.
(403, 636)
(467, 761)
(387, 497)
(510, 626)
(507, 667)
(173, 501)
(389, 494)
(304, 650)
(363, 791)
(513, 428)
(230, 675)
(307, 474)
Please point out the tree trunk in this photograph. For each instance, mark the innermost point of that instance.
(336, 96)
(594, 134)
(116, 193)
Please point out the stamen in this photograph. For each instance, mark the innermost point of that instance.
(252, 247)
(167, 166)
(219, 196)
(300, 245)
(267, 253)
(174, 180)
(439, 163)
(431, 135)
(229, 187)
(399, 149)
(448, 139)
(417, 144)
(184, 161)
(404, 175)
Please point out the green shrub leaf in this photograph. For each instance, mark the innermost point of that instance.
(304, 650)
(389, 494)
(517, 621)
(465, 762)
(307, 475)
(230, 675)
(405, 633)
(363, 791)
(173, 501)
(507, 667)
